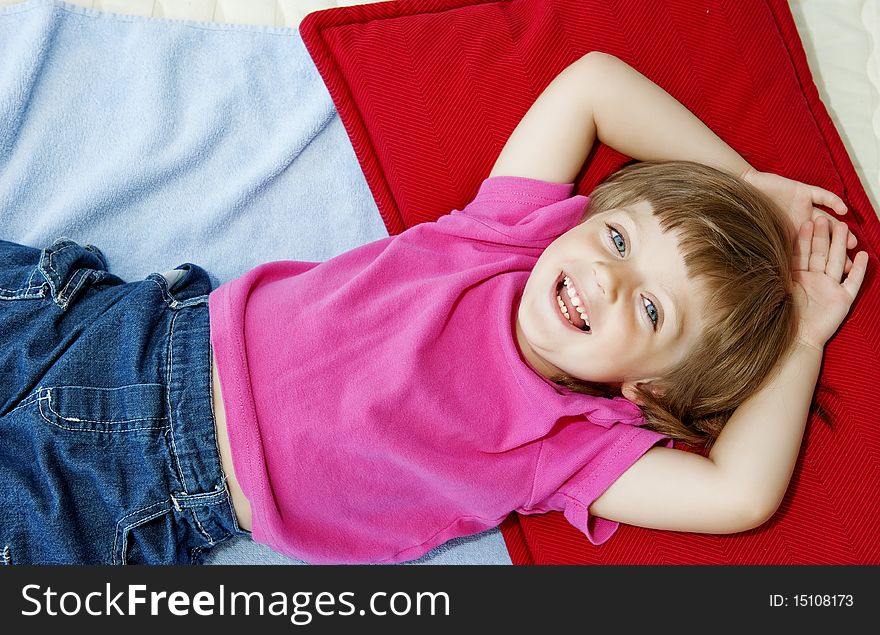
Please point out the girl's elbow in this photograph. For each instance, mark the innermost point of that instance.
(598, 57)
(756, 511)
(597, 62)
(740, 509)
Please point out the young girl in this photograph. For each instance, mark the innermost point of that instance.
(535, 351)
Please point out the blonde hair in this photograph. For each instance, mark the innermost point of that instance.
(736, 242)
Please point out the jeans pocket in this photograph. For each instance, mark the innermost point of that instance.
(138, 407)
(147, 536)
(129, 426)
(82, 468)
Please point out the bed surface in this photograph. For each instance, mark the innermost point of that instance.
(841, 39)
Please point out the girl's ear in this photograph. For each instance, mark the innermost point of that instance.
(628, 389)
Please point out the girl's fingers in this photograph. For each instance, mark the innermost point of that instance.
(828, 199)
(853, 281)
(837, 253)
(802, 246)
(820, 245)
(851, 240)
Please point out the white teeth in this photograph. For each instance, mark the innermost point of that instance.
(563, 308)
(575, 299)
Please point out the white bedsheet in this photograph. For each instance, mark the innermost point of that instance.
(842, 42)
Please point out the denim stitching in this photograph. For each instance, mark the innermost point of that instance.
(169, 300)
(30, 280)
(218, 493)
(231, 511)
(149, 383)
(49, 255)
(68, 244)
(138, 524)
(28, 401)
(63, 298)
(78, 420)
(222, 497)
(47, 398)
(196, 301)
(196, 552)
(28, 291)
(178, 304)
(204, 531)
(132, 526)
(81, 280)
(194, 556)
(168, 398)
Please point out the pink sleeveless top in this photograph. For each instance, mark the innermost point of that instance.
(378, 404)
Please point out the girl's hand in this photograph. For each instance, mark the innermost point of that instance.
(798, 201)
(823, 298)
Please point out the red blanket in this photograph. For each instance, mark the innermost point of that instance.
(429, 91)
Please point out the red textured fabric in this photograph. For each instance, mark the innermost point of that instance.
(429, 91)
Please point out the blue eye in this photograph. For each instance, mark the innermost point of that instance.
(652, 312)
(618, 240)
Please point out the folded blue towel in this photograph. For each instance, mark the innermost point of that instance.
(163, 142)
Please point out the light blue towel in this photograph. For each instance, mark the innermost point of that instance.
(165, 142)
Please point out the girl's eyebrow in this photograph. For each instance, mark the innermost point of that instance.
(671, 307)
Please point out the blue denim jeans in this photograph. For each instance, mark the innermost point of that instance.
(108, 453)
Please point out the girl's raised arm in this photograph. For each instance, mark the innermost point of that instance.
(599, 96)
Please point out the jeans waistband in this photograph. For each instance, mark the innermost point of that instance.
(193, 437)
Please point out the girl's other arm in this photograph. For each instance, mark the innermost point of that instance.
(746, 474)
(740, 484)
(599, 96)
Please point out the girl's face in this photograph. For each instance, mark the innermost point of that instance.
(633, 311)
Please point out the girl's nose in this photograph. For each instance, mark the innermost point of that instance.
(610, 278)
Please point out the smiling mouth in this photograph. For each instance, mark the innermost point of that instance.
(571, 304)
